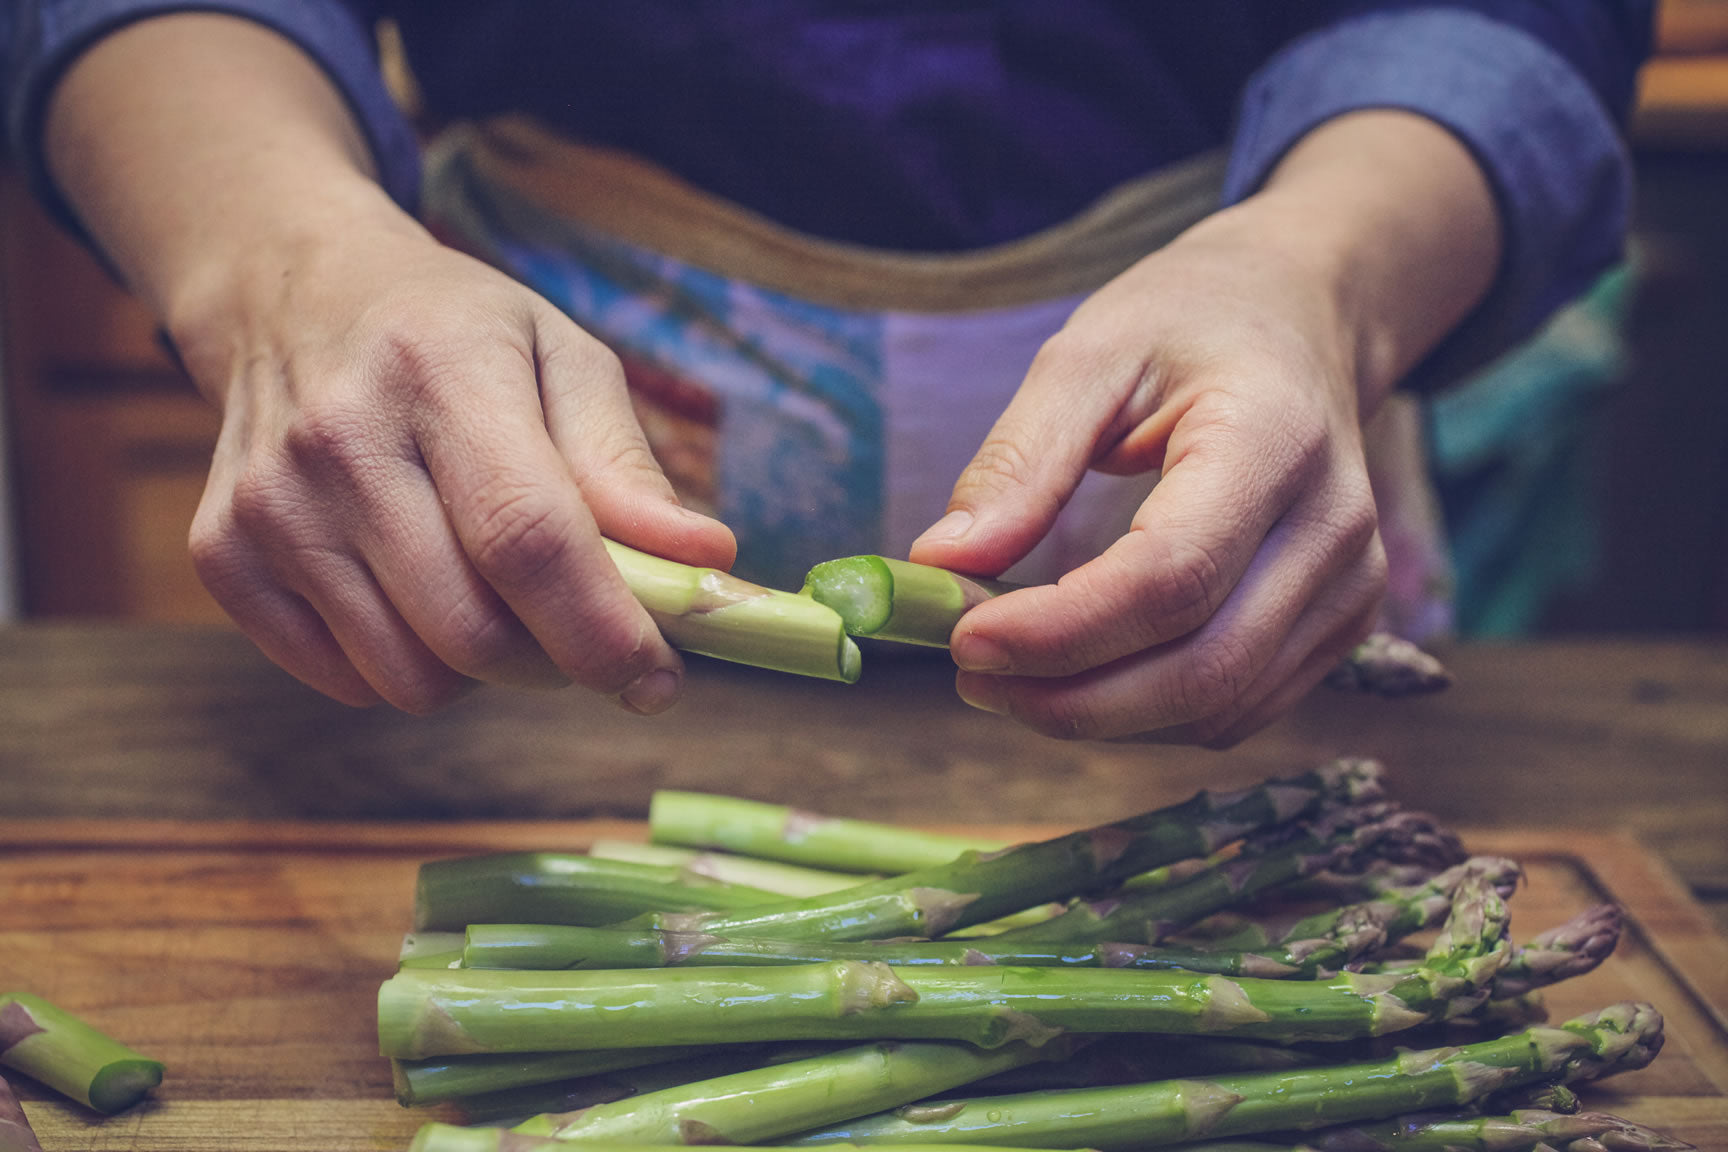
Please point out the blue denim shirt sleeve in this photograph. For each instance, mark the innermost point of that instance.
(1549, 145)
(45, 36)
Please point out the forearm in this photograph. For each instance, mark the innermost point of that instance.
(184, 142)
(1395, 214)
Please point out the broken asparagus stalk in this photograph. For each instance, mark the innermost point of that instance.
(714, 613)
(887, 599)
(56, 1048)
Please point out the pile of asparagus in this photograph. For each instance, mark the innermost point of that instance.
(1235, 972)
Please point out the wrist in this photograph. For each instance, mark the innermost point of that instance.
(1393, 219)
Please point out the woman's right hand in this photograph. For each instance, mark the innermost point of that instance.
(417, 461)
(418, 457)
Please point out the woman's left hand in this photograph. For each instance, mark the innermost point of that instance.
(1239, 362)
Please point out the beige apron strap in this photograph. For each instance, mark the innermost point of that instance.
(640, 203)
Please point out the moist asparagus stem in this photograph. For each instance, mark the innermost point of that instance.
(764, 1104)
(714, 613)
(16, 1135)
(1167, 1112)
(562, 888)
(54, 1047)
(976, 887)
(729, 868)
(887, 599)
(792, 835)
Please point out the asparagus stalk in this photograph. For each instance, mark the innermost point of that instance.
(978, 887)
(516, 1105)
(729, 868)
(433, 1012)
(775, 832)
(56, 1048)
(764, 1104)
(557, 946)
(16, 1135)
(714, 613)
(1167, 1112)
(1339, 837)
(431, 1081)
(562, 888)
(1525, 1130)
(1572, 949)
(888, 599)
(436, 1137)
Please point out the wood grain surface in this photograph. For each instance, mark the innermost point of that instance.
(247, 957)
(129, 721)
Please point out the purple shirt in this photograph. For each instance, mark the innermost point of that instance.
(946, 126)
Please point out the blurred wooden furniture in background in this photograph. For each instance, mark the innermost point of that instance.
(111, 442)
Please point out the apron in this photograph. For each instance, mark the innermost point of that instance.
(821, 398)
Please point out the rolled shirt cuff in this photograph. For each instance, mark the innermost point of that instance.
(1551, 151)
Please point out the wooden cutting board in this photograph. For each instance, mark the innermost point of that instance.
(247, 958)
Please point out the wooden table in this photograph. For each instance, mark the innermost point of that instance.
(116, 721)
(215, 862)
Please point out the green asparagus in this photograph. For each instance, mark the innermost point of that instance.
(1169, 1112)
(563, 888)
(978, 887)
(714, 613)
(764, 1104)
(887, 599)
(56, 1048)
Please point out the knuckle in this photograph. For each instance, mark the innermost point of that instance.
(1186, 591)
(1067, 713)
(998, 463)
(1219, 669)
(518, 539)
(478, 636)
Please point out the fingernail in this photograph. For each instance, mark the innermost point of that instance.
(983, 694)
(974, 653)
(652, 693)
(951, 527)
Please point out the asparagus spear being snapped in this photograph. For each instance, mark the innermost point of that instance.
(56, 1048)
(1166, 1112)
(889, 599)
(714, 613)
(16, 1135)
(562, 888)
